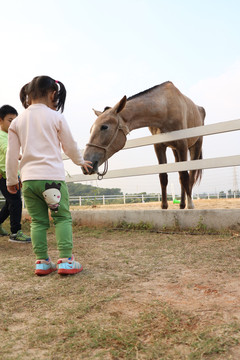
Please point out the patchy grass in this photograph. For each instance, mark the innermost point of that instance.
(142, 295)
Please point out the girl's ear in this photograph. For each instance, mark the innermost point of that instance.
(53, 96)
(53, 99)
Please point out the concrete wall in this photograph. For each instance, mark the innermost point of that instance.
(212, 219)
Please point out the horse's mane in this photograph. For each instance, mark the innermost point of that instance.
(106, 108)
(141, 93)
(146, 91)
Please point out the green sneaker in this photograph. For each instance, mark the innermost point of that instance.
(3, 232)
(19, 237)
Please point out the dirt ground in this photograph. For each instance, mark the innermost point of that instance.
(142, 295)
(199, 204)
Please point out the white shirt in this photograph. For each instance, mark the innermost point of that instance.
(40, 133)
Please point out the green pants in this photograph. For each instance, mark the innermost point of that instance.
(38, 210)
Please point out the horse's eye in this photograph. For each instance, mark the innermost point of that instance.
(104, 127)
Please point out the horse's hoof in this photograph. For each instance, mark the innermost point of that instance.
(164, 206)
(182, 206)
(190, 204)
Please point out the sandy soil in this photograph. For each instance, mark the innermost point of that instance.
(199, 204)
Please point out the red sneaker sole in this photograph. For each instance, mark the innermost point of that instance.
(44, 272)
(69, 272)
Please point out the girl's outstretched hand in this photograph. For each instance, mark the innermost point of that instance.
(87, 165)
(13, 189)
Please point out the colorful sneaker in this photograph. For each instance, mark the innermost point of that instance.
(68, 266)
(3, 232)
(20, 237)
(45, 267)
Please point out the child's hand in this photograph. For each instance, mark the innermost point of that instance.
(87, 165)
(13, 189)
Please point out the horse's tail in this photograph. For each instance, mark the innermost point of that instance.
(198, 174)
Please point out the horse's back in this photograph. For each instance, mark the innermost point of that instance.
(177, 110)
(195, 114)
(178, 106)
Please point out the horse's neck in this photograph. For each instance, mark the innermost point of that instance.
(136, 115)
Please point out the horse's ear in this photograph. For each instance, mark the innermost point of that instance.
(120, 105)
(97, 113)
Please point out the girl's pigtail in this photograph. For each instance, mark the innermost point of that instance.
(61, 96)
(24, 96)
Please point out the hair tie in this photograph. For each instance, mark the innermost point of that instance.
(56, 81)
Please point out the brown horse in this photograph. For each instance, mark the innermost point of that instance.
(163, 108)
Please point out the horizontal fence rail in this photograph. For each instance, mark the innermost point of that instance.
(165, 168)
(211, 129)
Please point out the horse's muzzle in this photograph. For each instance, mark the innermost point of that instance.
(92, 171)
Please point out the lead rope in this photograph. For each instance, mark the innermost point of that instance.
(101, 175)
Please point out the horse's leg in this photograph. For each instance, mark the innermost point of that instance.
(184, 176)
(195, 154)
(160, 151)
(183, 193)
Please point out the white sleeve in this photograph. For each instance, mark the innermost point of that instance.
(69, 145)
(12, 156)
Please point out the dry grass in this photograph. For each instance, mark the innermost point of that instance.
(142, 295)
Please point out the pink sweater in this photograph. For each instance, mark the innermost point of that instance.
(39, 132)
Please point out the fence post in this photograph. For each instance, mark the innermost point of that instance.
(103, 200)
(124, 198)
(142, 198)
(80, 201)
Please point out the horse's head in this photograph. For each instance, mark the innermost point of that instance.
(108, 135)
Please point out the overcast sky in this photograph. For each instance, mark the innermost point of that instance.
(104, 49)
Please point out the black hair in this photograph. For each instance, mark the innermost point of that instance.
(39, 88)
(6, 110)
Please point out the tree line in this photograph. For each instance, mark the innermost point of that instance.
(89, 190)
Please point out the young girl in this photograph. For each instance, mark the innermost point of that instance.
(40, 131)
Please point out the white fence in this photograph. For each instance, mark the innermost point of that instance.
(140, 198)
(222, 127)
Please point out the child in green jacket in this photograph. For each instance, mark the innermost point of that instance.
(13, 202)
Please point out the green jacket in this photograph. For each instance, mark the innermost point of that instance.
(3, 150)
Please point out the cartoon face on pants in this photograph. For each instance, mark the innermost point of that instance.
(52, 195)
